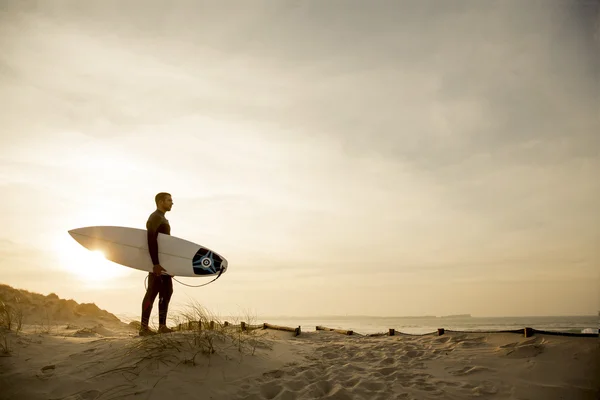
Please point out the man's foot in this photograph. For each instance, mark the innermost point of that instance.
(164, 329)
(146, 332)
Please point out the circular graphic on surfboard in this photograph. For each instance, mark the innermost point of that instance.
(206, 262)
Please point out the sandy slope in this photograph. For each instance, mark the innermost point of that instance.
(111, 363)
(48, 310)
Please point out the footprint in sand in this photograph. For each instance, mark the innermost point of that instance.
(319, 389)
(308, 375)
(295, 385)
(270, 389)
(46, 372)
(428, 387)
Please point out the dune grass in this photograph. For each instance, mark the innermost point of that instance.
(198, 335)
(204, 329)
(5, 346)
(11, 317)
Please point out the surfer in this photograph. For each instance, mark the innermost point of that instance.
(159, 281)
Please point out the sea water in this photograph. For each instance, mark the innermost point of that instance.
(422, 325)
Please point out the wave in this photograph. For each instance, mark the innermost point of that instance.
(590, 330)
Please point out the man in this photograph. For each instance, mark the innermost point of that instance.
(159, 281)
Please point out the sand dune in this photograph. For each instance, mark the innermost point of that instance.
(100, 359)
(46, 310)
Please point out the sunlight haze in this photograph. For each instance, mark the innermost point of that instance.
(347, 158)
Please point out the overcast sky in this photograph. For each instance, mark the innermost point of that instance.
(346, 157)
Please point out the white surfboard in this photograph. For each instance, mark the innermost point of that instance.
(129, 247)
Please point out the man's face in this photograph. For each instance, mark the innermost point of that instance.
(167, 203)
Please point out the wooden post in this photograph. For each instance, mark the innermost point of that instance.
(243, 325)
(441, 331)
(296, 331)
(528, 332)
(392, 331)
(342, 331)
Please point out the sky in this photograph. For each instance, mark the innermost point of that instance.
(388, 158)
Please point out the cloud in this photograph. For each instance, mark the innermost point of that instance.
(406, 142)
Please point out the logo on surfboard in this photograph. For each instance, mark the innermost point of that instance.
(206, 262)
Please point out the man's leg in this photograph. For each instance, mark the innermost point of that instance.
(151, 293)
(166, 290)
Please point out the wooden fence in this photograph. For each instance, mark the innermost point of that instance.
(245, 327)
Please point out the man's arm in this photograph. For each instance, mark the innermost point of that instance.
(153, 224)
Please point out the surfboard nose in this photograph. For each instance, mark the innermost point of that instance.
(75, 231)
(82, 236)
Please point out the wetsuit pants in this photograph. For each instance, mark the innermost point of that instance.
(161, 285)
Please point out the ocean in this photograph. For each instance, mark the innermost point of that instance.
(422, 325)
(416, 325)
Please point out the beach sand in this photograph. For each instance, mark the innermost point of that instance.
(104, 359)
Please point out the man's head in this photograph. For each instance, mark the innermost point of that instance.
(163, 201)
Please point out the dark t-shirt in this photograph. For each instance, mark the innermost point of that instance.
(157, 223)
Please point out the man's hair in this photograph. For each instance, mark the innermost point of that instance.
(160, 197)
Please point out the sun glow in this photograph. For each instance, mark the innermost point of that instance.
(89, 266)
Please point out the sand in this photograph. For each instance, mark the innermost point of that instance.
(113, 363)
(87, 358)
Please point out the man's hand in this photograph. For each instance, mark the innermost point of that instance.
(158, 269)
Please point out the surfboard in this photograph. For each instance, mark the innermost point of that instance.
(129, 247)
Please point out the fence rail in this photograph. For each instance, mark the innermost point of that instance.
(243, 326)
